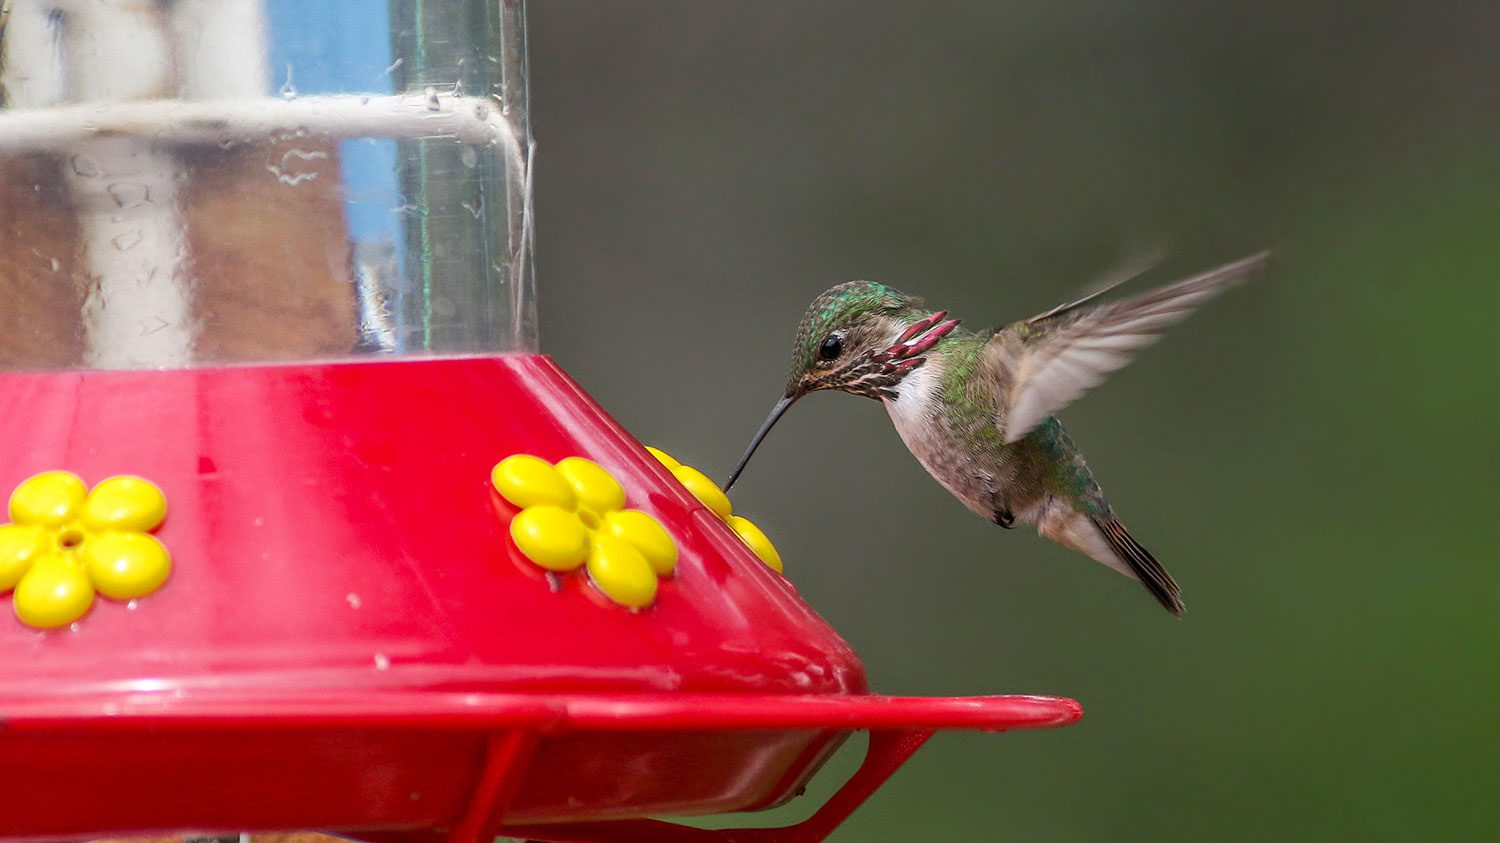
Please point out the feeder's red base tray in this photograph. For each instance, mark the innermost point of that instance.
(411, 768)
(350, 640)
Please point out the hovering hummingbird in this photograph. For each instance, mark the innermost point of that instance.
(976, 409)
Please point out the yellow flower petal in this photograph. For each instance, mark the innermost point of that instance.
(752, 535)
(705, 490)
(622, 573)
(551, 537)
(54, 593)
(663, 457)
(125, 503)
(125, 565)
(49, 499)
(20, 546)
(647, 536)
(525, 481)
(597, 489)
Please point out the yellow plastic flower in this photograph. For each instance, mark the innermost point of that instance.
(64, 543)
(710, 495)
(573, 515)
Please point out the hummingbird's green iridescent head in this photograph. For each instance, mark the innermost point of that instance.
(860, 337)
(841, 328)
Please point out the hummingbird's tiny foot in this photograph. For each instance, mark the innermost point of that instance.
(1004, 518)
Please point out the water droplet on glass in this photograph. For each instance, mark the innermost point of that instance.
(74, 626)
(132, 604)
(469, 157)
(288, 90)
(432, 99)
(55, 264)
(86, 167)
(129, 240)
(476, 207)
(354, 601)
(294, 168)
(382, 661)
(129, 194)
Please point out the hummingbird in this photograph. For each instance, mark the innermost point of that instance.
(978, 409)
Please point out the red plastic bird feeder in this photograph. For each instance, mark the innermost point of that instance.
(303, 533)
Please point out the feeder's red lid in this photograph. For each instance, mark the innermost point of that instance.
(333, 526)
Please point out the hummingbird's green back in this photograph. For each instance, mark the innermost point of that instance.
(971, 407)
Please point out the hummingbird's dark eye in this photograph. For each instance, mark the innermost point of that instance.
(833, 346)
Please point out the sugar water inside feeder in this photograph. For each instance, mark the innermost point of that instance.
(243, 181)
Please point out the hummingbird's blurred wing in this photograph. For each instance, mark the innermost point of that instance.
(1048, 361)
(1131, 268)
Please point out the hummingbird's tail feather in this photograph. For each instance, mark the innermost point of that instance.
(1107, 541)
(1142, 564)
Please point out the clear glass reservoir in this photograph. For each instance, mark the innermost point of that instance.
(195, 182)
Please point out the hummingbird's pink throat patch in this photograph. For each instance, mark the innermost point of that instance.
(917, 339)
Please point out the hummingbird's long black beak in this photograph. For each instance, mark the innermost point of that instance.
(776, 412)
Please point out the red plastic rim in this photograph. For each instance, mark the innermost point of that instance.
(546, 712)
(511, 727)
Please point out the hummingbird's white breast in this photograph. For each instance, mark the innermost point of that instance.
(914, 408)
(916, 414)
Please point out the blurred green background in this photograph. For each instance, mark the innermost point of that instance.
(1312, 456)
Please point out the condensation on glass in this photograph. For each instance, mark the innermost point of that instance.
(196, 182)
